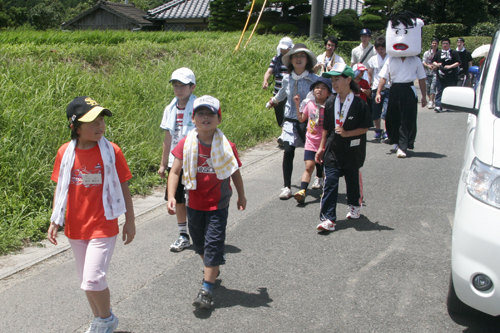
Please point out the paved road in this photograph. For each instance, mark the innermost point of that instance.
(386, 272)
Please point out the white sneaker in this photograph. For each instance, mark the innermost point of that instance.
(353, 212)
(430, 105)
(317, 184)
(326, 225)
(401, 154)
(93, 326)
(286, 193)
(108, 326)
(180, 244)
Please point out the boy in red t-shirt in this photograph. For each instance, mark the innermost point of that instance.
(208, 161)
(359, 72)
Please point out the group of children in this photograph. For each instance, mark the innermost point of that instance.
(92, 191)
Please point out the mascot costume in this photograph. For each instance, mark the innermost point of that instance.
(404, 43)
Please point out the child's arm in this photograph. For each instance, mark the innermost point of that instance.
(53, 228)
(321, 150)
(345, 134)
(300, 115)
(128, 233)
(173, 180)
(167, 141)
(238, 184)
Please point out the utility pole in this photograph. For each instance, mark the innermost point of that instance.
(316, 27)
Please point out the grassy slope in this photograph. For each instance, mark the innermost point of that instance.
(41, 72)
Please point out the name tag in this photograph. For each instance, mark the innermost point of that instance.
(92, 179)
(355, 143)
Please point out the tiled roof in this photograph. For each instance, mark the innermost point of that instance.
(126, 11)
(190, 9)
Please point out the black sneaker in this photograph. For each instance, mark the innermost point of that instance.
(204, 299)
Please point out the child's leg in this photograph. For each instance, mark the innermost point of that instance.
(353, 186)
(182, 241)
(92, 258)
(328, 208)
(306, 176)
(288, 156)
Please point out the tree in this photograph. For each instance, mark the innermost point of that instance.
(346, 23)
(46, 15)
(227, 15)
(374, 15)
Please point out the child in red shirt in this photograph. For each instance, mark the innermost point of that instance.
(359, 72)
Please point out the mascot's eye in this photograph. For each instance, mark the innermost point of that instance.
(397, 32)
(406, 32)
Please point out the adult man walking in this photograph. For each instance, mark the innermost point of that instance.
(430, 82)
(365, 50)
(446, 61)
(465, 63)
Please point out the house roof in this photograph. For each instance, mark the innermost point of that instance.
(195, 9)
(126, 11)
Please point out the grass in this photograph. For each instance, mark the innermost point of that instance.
(41, 72)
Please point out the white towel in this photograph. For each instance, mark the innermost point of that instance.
(170, 116)
(112, 195)
(221, 154)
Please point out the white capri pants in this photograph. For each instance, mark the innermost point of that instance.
(92, 258)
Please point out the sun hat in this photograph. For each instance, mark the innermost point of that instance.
(325, 81)
(285, 43)
(183, 75)
(358, 68)
(365, 32)
(296, 49)
(209, 102)
(85, 110)
(339, 69)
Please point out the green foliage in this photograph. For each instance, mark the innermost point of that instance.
(227, 15)
(483, 29)
(374, 15)
(347, 25)
(373, 22)
(42, 71)
(440, 31)
(285, 28)
(262, 27)
(46, 15)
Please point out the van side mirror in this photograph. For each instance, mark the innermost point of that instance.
(460, 99)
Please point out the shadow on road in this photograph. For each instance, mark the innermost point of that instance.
(226, 298)
(477, 322)
(361, 224)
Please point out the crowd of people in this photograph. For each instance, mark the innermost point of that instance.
(320, 103)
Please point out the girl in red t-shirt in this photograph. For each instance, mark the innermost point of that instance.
(92, 191)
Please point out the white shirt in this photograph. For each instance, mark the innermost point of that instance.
(325, 61)
(357, 54)
(376, 63)
(399, 71)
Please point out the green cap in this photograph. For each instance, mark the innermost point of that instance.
(339, 69)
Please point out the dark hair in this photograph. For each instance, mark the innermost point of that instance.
(332, 39)
(353, 85)
(76, 125)
(380, 42)
(309, 65)
(435, 40)
(190, 83)
(406, 18)
(461, 40)
(446, 39)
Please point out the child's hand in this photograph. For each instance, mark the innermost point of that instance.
(241, 203)
(296, 98)
(52, 233)
(171, 206)
(340, 131)
(128, 233)
(161, 171)
(318, 158)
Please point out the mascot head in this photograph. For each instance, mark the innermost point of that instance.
(404, 35)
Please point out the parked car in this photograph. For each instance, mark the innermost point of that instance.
(475, 258)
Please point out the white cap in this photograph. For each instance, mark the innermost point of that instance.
(210, 102)
(184, 75)
(285, 43)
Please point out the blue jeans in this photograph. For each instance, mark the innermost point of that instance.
(328, 210)
(379, 110)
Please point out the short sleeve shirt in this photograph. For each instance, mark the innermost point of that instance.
(399, 71)
(278, 78)
(376, 63)
(357, 54)
(314, 127)
(211, 193)
(85, 212)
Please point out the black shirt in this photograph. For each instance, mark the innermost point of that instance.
(346, 153)
(443, 58)
(465, 58)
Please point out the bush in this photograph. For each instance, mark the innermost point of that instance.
(285, 28)
(347, 24)
(483, 29)
(440, 31)
(262, 27)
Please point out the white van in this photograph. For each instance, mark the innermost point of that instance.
(475, 260)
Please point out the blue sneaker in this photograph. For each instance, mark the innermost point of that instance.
(385, 137)
(378, 135)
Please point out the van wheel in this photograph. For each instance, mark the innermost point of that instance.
(455, 305)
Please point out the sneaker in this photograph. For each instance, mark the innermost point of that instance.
(93, 326)
(394, 148)
(438, 109)
(430, 105)
(300, 196)
(204, 299)
(378, 135)
(326, 225)
(385, 137)
(286, 193)
(353, 212)
(180, 244)
(107, 326)
(401, 154)
(317, 184)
